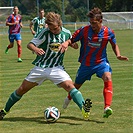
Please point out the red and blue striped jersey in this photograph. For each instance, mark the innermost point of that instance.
(93, 46)
(14, 29)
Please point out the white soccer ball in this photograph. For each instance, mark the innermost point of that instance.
(51, 114)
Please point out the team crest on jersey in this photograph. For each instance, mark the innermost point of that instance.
(54, 47)
(41, 25)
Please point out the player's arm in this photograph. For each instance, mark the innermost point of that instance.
(117, 52)
(63, 47)
(67, 43)
(11, 24)
(74, 45)
(33, 48)
(45, 26)
(31, 28)
(21, 25)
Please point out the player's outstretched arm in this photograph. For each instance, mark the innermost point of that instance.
(117, 53)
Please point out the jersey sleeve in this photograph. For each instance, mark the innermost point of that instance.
(20, 19)
(112, 39)
(39, 38)
(34, 20)
(77, 35)
(9, 18)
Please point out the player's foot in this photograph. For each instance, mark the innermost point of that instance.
(107, 112)
(66, 102)
(6, 51)
(2, 114)
(19, 60)
(86, 109)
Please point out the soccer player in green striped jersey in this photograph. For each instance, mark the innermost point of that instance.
(38, 23)
(49, 65)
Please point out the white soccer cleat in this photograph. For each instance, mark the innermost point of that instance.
(66, 102)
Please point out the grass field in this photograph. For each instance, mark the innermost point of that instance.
(26, 116)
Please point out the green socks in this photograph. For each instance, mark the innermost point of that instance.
(12, 100)
(77, 97)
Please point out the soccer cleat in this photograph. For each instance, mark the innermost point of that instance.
(6, 51)
(19, 60)
(86, 109)
(107, 112)
(66, 102)
(2, 114)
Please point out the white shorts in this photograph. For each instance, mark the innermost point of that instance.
(55, 74)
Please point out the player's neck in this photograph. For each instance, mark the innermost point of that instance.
(98, 30)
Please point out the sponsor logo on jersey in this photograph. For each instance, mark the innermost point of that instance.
(54, 47)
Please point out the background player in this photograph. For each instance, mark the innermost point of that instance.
(38, 23)
(14, 22)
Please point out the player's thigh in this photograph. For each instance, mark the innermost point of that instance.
(84, 73)
(25, 87)
(18, 37)
(102, 69)
(58, 75)
(37, 75)
(11, 38)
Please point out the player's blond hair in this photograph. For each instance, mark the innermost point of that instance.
(53, 18)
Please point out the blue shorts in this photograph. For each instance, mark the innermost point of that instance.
(84, 72)
(13, 37)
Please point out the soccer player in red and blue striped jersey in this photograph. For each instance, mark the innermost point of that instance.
(93, 57)
(14, 22)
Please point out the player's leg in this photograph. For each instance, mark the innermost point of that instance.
(19, 50)
(107, 93)
(34, 78)
(67, 100)
(19, 47)
(83, 74)
(62, 79)
(78, 98)
(74, 93)
(11, 40)
(104, 71)
(16, 96)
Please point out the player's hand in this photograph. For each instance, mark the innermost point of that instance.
(17, 22)
(74, 45)
(33, 32)
(122, 58)
(39, 51)
(63, 47)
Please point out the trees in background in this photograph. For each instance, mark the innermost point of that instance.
(70, 10)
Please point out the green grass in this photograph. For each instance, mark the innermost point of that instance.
(27, 114)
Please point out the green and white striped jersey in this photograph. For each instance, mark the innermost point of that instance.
(39, 24)
(50, 44)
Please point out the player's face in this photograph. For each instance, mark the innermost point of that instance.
(41, 14)
(55, 29)
(15, 10)
(95, 24)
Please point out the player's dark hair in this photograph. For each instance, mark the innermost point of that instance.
(15, 7)
(41, 9)
(95, 13)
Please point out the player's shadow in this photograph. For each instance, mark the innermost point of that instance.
(40, 120)
(79, 119)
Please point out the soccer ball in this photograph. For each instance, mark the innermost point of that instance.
(51, 114)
